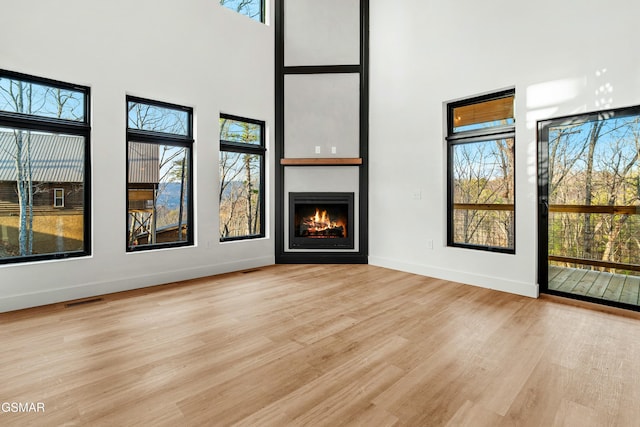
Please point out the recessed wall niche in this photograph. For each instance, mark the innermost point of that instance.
(322, 110)
(321, 32)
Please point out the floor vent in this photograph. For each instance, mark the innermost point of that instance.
(83, 302)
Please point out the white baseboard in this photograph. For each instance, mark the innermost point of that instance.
(489, 282)
(103, 287)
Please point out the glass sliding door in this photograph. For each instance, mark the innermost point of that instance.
(589, 206)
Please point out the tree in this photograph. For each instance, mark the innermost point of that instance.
(592, 140)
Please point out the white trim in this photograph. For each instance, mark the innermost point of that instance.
(56, 198)
(489, 282)
(99, 287)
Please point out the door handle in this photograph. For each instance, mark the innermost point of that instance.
(545, 207)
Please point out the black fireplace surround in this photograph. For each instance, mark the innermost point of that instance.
(321, 221)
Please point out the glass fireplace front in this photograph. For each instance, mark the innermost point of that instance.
(321, 221)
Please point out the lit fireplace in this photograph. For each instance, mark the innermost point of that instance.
(320, 225)
(321, 220)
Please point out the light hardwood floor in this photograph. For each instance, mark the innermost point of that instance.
(321, 345)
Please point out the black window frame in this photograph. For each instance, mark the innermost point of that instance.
(160, 138)
(257, 149)
(28, 122)
(454, 138)
(262, 12)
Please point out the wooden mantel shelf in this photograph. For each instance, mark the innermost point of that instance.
(322, 161)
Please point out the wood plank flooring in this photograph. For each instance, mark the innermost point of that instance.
(597, 284)
(321, 345)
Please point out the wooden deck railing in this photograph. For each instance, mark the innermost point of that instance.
(598, 209)
(595, 209)
(484, 206)
(577, 209)
(595, 263)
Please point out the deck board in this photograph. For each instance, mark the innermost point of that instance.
(559, 276)
(600, 285)
(630, 290)
(587, 281)
(554, 272)
(614, 290)
(571, 281)
(596, 284)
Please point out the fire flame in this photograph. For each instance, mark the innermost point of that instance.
(320, 222)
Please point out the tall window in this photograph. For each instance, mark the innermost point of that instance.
(481, 171)
(44, 149)
(241, 195)
(159, 177)
(254, 9)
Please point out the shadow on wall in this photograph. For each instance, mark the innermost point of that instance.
(564, 97)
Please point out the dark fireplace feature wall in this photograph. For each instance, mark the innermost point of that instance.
(321, 221)
(321, 130)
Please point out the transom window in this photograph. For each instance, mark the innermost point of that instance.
(44, 151)
(159, 177)
(481, 173)
(242, 164)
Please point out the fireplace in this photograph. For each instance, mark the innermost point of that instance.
(321, 221)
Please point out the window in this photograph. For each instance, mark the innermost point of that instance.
(58, 197)
(241, 193)
(254, 9)
(481, 171)
(159, 177)
(44, 146)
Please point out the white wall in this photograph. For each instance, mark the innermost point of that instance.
(322, 110)
(321, 32)
(562, 57)
(194, 53)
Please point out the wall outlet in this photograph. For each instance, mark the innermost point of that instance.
(430, 244)
(317, 149)
(416, 194)
(333, 150)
